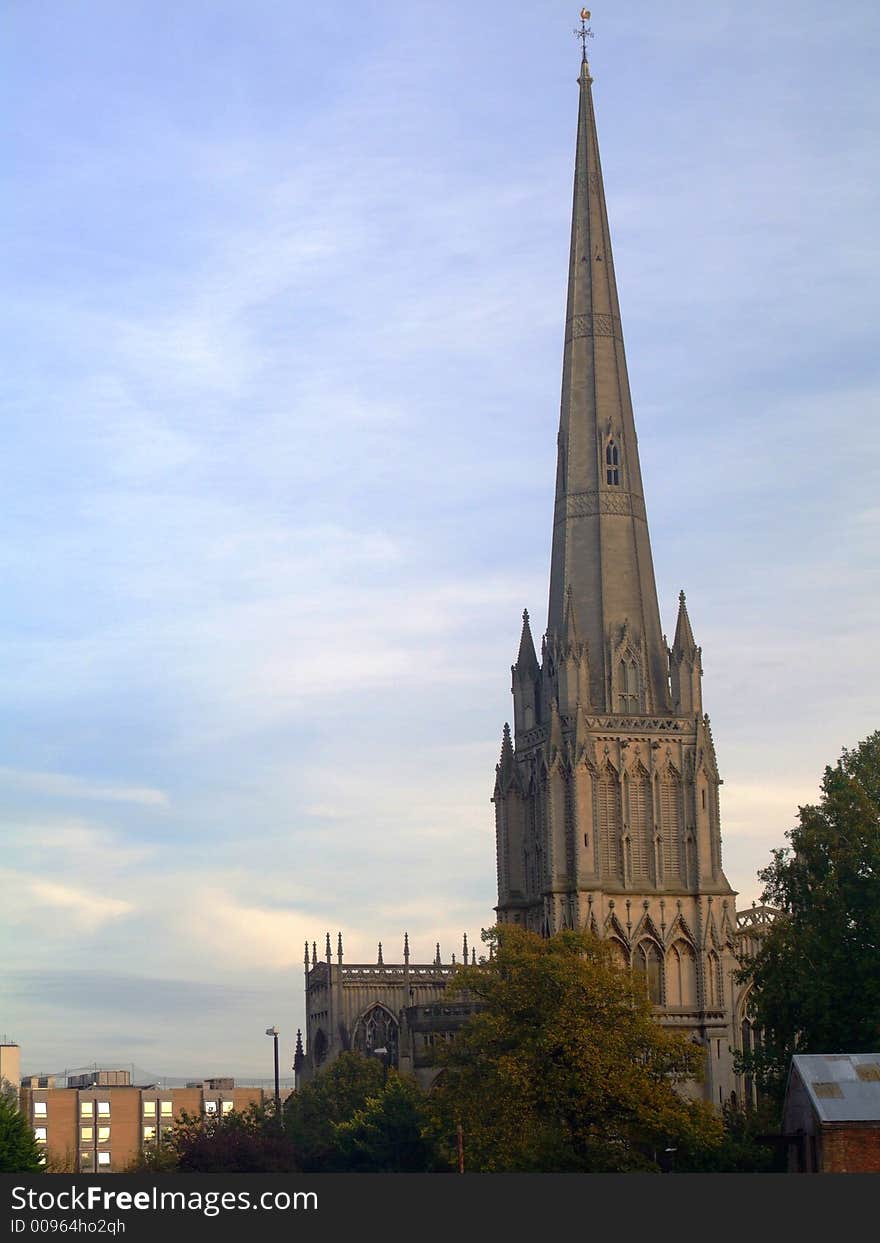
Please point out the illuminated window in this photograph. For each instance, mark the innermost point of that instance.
(166, 1108)
(103, 1135)
(87, 1160)
(40, 1134)
(39, 1109)
(227, 1107)
(103, 1158)
(149, 1109)
(86, 1134)
(103, 1109)
(210, 1107)
(149, 1134)
(86, 1109)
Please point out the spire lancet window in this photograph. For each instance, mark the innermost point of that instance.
(612, 463)
(629, 684)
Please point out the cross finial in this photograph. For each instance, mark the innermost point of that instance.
(584, 33)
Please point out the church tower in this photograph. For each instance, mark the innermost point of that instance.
(606, 797)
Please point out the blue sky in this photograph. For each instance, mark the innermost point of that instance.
(282, 327)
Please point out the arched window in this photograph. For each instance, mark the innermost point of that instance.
(646, 962)
(319, 1048)
(681, 975)
(628, 677)
(608, 819)
(641, 824)
(713, 981)
(612, 464)
(377, 1029)
(670, 826)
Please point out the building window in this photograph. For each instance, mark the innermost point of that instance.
(713, 981)
(612, 463)
(166, 1108)
(149, 1135)
(167, 1132)
(609, 823)
(227, 1107)
(103, 1135)
(103, 1109)
(86, 1109)
(210, 1107)
(86, 1134)
(40, 1109)
(630, 696)
(40, 1134)
(103, 1158)
(87, 1160)
(646, 962)
(149, 1109)
(681, 975)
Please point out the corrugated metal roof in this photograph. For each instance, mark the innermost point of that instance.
(843, 1087)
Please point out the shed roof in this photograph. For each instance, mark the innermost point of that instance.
(842, 1087)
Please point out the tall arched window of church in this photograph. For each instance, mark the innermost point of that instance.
(629, 686)
(612, 464)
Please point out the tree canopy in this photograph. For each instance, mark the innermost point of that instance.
(816, 977)
(247, 1141)
(390, 1133)
(566, 1068)
(312, 1113)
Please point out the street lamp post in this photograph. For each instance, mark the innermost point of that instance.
(273, 1032)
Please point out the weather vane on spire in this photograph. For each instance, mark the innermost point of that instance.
(584, 33)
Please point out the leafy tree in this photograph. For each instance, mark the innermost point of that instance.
(19, 1151)
(241, 1142)
(389, 1133)
(332, 1097)
(816, 976)
(747, 1146)
(566, 1068)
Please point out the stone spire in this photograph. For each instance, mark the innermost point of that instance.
(525, 680)
(685, 665)
(601, 567)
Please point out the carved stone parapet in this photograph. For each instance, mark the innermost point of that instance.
(594, 325)
(610, 501)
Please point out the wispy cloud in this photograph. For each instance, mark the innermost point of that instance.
(78, 789)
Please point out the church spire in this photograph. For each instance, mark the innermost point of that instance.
(601, 566)
(685, 665)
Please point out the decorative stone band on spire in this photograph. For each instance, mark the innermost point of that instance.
(588, 504)
(593, 326)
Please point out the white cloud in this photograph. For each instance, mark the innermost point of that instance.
(33, 900)
(79, 789)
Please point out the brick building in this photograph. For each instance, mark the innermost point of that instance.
(100, 1121)
(831, 1116)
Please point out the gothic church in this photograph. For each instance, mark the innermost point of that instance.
(606, 796)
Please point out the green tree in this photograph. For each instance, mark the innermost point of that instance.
(19, 1151)
(748, 1145)
(334, 1096)
(816, 977)
(389, 1134)
(240, 1142)
(566, 1068)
